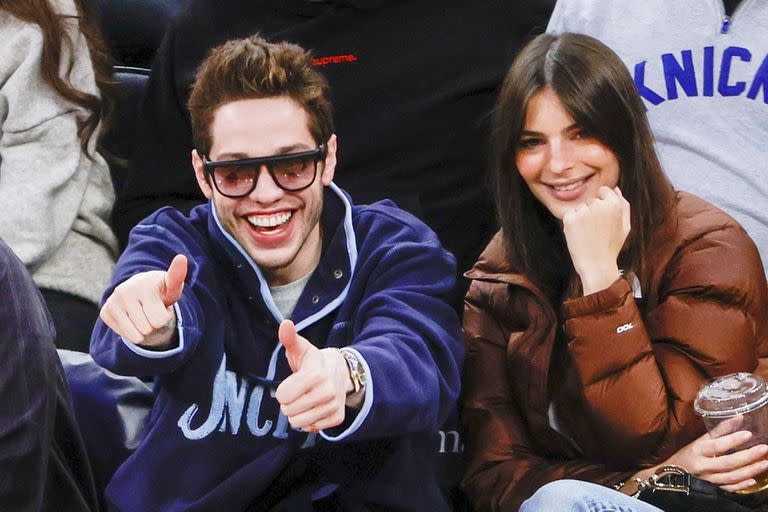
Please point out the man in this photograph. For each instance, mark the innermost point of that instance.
(43, 464)
(330, 410)
(702, 70)
(413, 84)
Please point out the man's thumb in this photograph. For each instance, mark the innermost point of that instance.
(296, 346)
(173, 283)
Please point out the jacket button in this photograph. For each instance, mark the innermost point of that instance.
(315, 299)
(338, 274)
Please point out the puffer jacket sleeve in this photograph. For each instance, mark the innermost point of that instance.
(640, 374)
(503, 468)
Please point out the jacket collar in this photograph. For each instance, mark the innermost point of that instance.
(492, 267)
(328, 286)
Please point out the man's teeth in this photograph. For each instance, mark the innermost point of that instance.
(270, 221)
(565, 188)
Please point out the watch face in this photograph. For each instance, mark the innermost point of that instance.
(356, 370)
(361, 373)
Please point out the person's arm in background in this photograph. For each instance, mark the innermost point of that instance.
(44, 173)
(28, 380)
(160, 173)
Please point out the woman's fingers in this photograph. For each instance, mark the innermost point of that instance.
(743, 458)
(740, 486)
(724, 444)
(733, 475)
(728, 426)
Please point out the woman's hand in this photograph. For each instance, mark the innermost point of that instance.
(713, 460)
(595, 233)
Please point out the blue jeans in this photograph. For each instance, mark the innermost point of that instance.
(577, 496)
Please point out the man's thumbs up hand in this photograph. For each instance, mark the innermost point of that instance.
(313, 398)
(173, 283)
(296, 347)
(141, 308)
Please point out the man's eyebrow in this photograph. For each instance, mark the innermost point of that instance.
(283, 150)
(231, 156)
(293, 148)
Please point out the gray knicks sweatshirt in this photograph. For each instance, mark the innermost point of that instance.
(54, 201)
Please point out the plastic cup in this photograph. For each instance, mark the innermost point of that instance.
(736, 402)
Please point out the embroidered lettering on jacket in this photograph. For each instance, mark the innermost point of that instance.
(624, 328)
(690, 73)
(228, 402)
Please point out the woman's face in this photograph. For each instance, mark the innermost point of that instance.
(562, 164)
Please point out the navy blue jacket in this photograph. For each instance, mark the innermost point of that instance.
(216, 438)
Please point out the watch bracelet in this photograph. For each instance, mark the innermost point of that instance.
(355, 368)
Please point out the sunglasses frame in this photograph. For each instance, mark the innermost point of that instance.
(316, 154)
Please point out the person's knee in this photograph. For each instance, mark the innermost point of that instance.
(559, 495)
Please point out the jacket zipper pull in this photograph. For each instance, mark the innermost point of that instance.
(726, 24)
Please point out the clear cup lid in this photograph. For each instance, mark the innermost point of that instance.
(729, 395)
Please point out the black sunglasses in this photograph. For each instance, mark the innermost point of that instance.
(291, 172)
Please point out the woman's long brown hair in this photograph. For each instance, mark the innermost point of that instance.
(41, 13)
(598, 92)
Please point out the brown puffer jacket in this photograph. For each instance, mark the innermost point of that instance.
(622, 372)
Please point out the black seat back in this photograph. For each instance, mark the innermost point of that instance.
(133, 29)
(119, 137)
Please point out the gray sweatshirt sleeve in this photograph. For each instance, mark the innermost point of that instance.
(43, 172)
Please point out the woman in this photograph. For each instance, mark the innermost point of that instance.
(55, 187)
(606, 300)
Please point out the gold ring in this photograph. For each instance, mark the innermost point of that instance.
(313, 428)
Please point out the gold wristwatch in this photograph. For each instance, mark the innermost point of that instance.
(356, 370)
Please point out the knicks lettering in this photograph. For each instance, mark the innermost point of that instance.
(228, 402)
(698, 77)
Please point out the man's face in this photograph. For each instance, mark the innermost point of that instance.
(280, 230)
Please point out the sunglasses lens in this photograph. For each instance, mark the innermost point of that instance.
(234, 181)
(294, 173)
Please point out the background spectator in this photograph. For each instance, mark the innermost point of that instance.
(43, 465)
(55, 187)
(702, 71)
